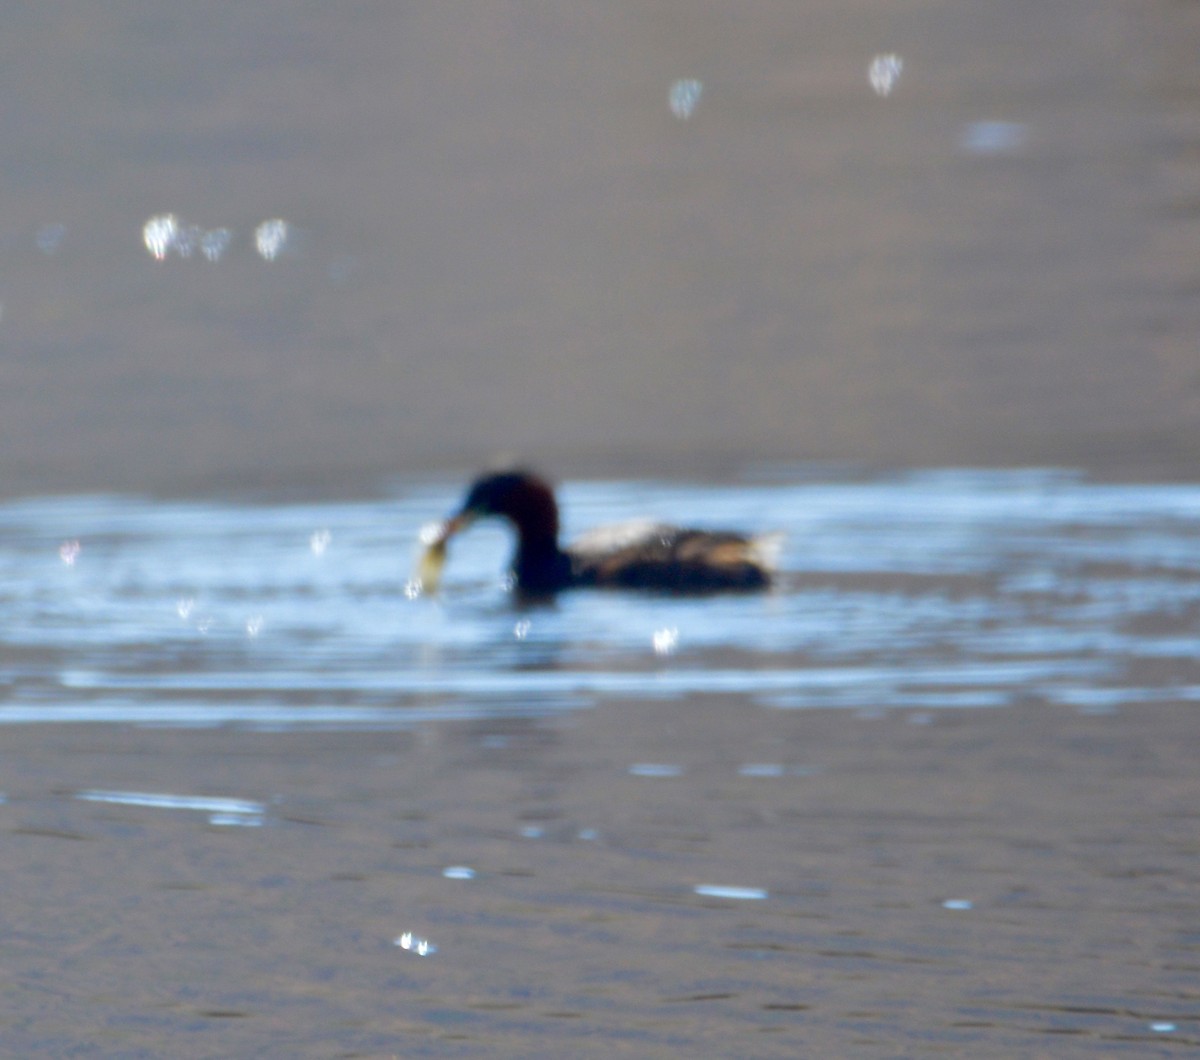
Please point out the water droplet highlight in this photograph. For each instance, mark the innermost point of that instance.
(655, 769)
(740, 894)
(884, 72)
(665, 641)
(683, 97)
(166, 801)
(993, 137)
(158, 234)
(213, 244)
(235, 820)
(421, 947)
(271, 238)
(166, 234)
(187, 239)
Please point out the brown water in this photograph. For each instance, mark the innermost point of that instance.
(504, 240)
(935, 795)
(935, 792)
(147, 931)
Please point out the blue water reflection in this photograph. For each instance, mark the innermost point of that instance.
(921, 590)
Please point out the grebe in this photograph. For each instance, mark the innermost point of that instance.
(641, 555)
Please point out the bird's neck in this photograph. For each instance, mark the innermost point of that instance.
(540, 565)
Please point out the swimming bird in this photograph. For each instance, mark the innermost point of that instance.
(639, 555)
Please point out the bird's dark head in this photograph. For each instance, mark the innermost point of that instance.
(521, 497)
(527, 502)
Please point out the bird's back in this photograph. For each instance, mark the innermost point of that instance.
(650, 555)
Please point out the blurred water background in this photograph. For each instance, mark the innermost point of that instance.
(299, 245)
(915, 284)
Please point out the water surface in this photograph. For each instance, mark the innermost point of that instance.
(934, 791)
(912, 591)
(663, 240)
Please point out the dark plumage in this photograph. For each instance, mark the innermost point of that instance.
(641, 555)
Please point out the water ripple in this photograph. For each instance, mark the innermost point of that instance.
(946, 589)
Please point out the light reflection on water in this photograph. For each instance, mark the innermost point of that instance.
(922, 590)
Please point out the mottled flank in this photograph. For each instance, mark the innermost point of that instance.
(669, 557)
